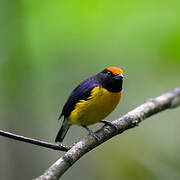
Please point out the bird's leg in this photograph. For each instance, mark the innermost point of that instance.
(109, 124)
(91, 133)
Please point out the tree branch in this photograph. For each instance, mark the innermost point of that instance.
(167, 100)
(34, 141)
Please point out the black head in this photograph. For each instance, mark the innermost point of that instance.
(111, 79)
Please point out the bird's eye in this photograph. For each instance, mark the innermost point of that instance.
(109, 73)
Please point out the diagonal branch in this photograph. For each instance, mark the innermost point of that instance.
(34, 141)
(167, 100)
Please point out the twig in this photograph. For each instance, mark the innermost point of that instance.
(168, 100)
(34, 141)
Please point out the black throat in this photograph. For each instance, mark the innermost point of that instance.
(112, 85)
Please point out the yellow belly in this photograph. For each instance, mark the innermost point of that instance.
(98, 106)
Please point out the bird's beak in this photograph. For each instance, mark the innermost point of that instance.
(118, 77)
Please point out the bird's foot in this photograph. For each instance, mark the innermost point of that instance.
(110, 124)
(97, 138)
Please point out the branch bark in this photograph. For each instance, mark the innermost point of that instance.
(167, 100)
(34, 141)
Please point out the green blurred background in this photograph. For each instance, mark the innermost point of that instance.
(48, 47)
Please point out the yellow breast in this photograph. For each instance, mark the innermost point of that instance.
(98, 106)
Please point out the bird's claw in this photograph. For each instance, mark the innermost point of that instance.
(110, 124)
(97, 138)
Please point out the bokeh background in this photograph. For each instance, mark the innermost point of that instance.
(48, 47)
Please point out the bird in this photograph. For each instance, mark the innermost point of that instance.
(92, 101)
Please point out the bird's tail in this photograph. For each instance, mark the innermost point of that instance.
(62, 132)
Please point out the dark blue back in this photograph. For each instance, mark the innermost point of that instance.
(81, 92)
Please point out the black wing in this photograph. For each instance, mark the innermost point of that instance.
(81, 92)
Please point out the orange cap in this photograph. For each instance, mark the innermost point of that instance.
(115, 70)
